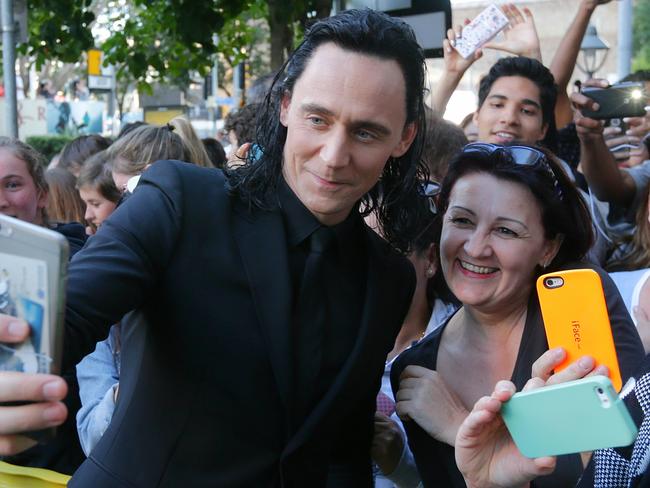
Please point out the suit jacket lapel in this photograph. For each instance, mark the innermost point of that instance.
(354, 371)
(260, 236)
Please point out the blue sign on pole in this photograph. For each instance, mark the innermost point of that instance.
(225, 101)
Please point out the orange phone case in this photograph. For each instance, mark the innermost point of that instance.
(576, 318)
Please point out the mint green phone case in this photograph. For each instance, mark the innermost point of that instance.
(576, 416)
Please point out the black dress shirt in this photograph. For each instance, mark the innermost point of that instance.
(345, 281)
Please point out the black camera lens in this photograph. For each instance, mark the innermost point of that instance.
(600, 390)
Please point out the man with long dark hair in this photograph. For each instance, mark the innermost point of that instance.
(264, 308)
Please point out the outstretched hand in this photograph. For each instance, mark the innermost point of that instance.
(520, 37)
(486, 455)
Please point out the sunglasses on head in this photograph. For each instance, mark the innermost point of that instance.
(521, 155)
(430, 190)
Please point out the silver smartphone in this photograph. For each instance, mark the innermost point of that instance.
(33, 270)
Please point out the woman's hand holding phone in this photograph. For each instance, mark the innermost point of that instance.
(486, 455)
(45, 390)
(543, 367)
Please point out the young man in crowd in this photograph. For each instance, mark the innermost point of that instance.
(263, 307)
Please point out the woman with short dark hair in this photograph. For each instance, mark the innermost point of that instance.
(509, 213)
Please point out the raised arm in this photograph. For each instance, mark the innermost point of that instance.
(454, 68)
(566, 56)
(597, 163)
(520, 39)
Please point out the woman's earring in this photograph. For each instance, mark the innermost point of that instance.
(430, 272)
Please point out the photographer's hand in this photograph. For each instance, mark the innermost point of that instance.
(45, 390)
(638, 126)
(608, 182)
(625, 148)
(586, 127)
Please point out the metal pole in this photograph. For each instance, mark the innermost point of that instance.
(214, 79)
(112, 105)
(238, 79)
(9, 66)
(624, 38)
(215, 85)
(110, 109)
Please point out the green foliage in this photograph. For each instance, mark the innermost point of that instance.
(288, 20)
(58, 29)
(48, 146)
(169, 41)
(240, 34)
(144, 52)
(641, 35)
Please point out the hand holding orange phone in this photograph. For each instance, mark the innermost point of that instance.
(576, 318)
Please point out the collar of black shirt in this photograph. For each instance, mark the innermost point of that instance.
(301, 223)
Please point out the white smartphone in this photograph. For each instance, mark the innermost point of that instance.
(33, 270)
(484, 27)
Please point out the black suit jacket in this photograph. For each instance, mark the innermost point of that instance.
(205, 392)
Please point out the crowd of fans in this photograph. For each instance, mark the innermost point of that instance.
(527, 184)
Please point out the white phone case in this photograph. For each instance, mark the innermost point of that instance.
(480, 30)
(33, 266)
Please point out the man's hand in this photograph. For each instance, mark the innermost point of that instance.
(387, 443)
(425, 398)
(455, 64)
(486, 455)
(588, 129)
(520, 38)
(626, 149)
(455, 67)
(638, 126)
(45, 390)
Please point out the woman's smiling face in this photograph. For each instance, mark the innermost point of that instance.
(492, 240)
(19, 196)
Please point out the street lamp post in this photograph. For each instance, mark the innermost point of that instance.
(594, 52)
(9, 66)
